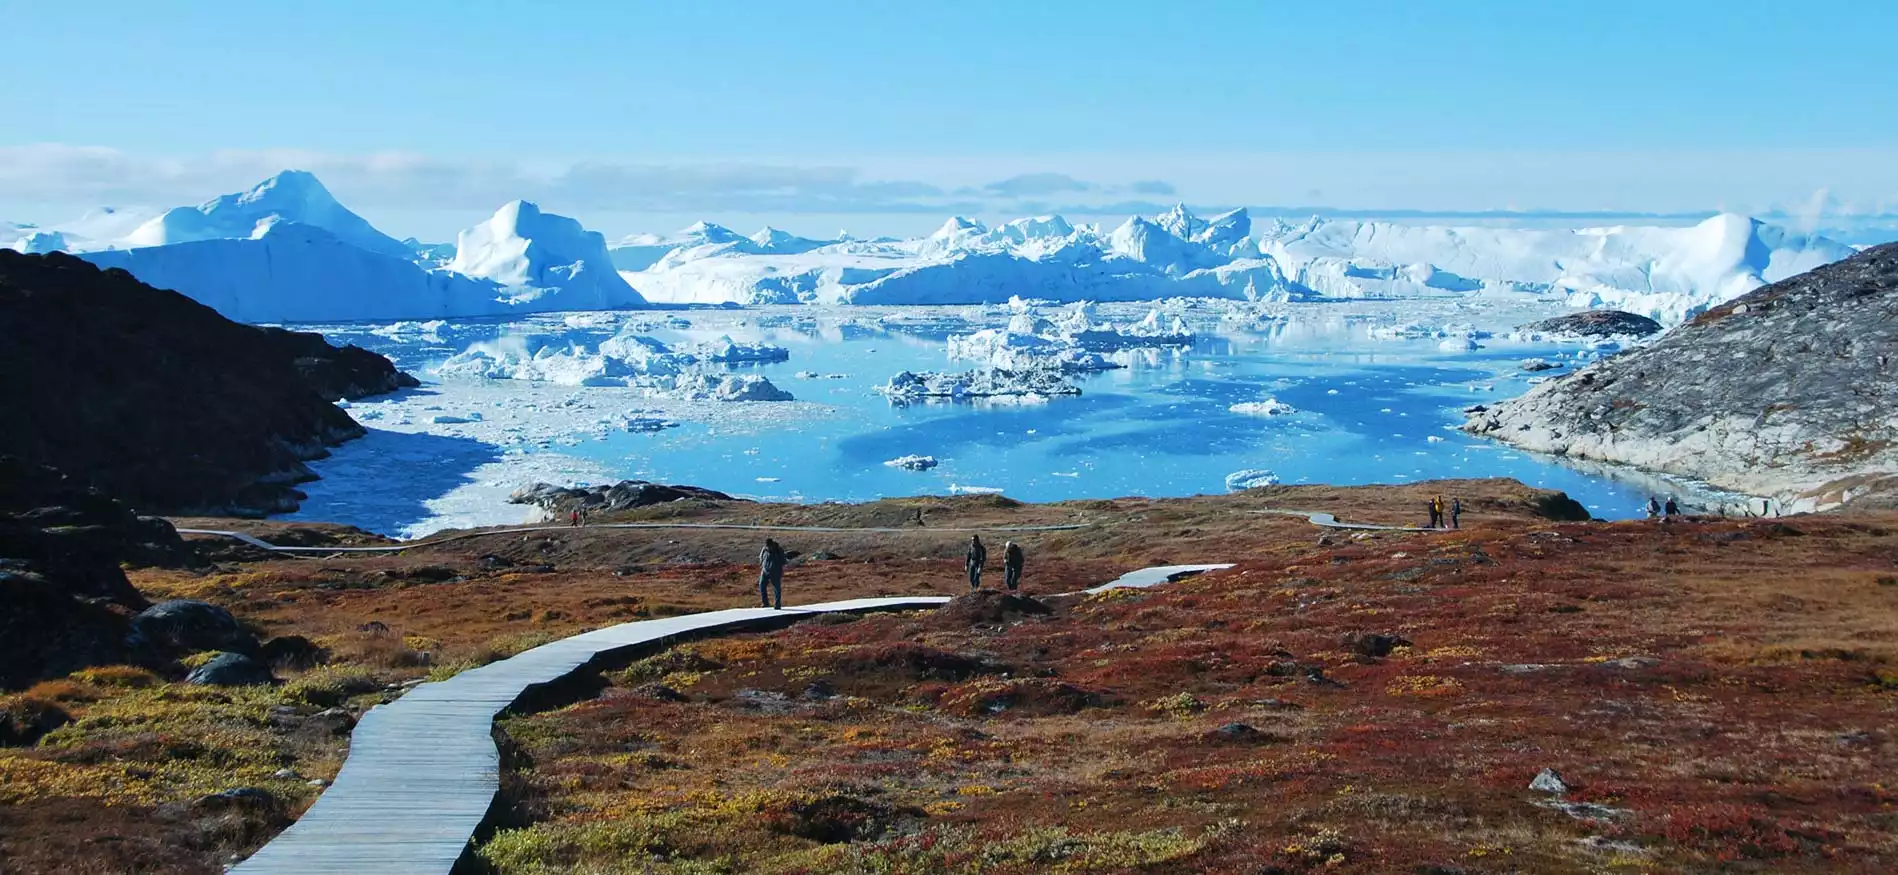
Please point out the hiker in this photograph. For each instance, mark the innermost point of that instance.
(1436, 516)
(978, 556)
(771, 575)
(1670, 510)
(1654, 507)
(573, 519)
(1012, 560)
(1456, 513)
(1442, 518)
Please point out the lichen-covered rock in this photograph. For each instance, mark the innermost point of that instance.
(230, 670)
(186, 626)
(1789, 392)
(1596, 323)
(624, 495)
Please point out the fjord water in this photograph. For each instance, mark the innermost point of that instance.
(1369, 411)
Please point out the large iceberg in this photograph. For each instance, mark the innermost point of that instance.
(286, 251)
(290, 196)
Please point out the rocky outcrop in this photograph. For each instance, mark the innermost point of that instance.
(624, 495)
(161, 402)
(1596, 323)
(1790, 392)
(64, 601)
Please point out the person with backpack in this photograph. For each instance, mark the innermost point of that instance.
(973, 562)
(1012, 560)
(1456, 513)
(1436, 516)
(771, 575)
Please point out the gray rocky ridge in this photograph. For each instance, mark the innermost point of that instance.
(1789, 393)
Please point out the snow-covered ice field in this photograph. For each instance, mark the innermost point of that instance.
(1365, 392)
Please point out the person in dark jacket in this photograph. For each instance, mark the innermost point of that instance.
(1671, 509)
(1012, 560)
(978, 557)
(1436, 515)
(1456, 513)
(771, 575)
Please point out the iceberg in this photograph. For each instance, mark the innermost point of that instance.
(980, 383)
(913, 463)
(1250, 478)
(533, 255)
(1268, 407)
(290, 196)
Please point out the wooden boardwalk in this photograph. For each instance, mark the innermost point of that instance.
(423, 770)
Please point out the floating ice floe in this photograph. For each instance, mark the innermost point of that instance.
(1268, 407)
(728, 351)
(979, 383)
(913, 463)
(718, 387)
(1539, 364)
(623, 360)
(1250, 478)
(1013, 351)
(959, 489)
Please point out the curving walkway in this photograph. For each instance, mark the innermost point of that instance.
(1328, 521)
(255, 541)
(423, 771)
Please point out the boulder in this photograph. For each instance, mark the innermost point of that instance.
(186, 626)
(48, 631)
(327, 722)
(292, 651)
(230, 670)
(25, 720)
(1374, 645)
(1549, 781)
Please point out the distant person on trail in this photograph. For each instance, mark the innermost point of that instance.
(1671, 510)
(771, 575)
(1436, 515)
(1012, 560)
(1456, 513)
(1654, 507)
(573, 519)
(978, 557)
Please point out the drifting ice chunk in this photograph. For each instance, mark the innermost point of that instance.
(1010, 351)
(958, 489)
(1458, 344)
(913, 463)
(1268, 407)
(1538, 364)
(728, 350)
(1250, 478)
(722, 387)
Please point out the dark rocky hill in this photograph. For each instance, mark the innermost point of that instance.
(159, 401)
(1789, 392)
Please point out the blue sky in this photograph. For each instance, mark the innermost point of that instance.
(897, 113)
